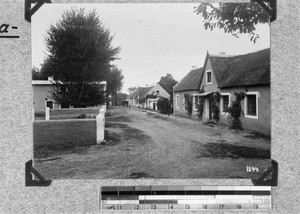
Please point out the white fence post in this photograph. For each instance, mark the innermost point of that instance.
(47, 113)
(100, 125)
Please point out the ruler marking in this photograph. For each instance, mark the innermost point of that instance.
(180, 198)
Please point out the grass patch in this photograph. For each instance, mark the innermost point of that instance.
(52, 151)
(221, 150)
(256, 135)
(227, 150)
(112, 138)
(153, 115)
(120, 132)
(118, 119)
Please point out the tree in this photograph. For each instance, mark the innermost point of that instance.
(132, 89)
(121, 97)
(234, 18)
(188, 103)
(167, 82)
(79, 55)
(114, 84)
(38, 75)
(164, 106)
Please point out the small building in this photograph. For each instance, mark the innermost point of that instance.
(134, 97)
(42, 96)
(190, 84)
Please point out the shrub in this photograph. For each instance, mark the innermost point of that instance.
(235, 111)
(200, 107)
(164, 106)
(39, 114)
(188, 104)
(214, 99)
(82, 116)
(148, 96)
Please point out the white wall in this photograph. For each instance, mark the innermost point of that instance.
(162, 92)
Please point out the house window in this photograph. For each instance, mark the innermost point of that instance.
(251, 105)
(225, 102)
(177, 101)
(208, 77)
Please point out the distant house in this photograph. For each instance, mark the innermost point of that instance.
(134, 97)
(248, 73)
(157, 92)
(147, 97)
(190, 84)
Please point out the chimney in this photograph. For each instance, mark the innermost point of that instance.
(222, 53)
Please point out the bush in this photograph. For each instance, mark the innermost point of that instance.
(39, 114)
(188, 104)
(82, 116)
(200, 107)
(235, 111)
(214, 99)
(164, 106)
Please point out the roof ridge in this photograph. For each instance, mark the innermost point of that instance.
(234, 55)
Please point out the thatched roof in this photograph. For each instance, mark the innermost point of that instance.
(139, 93)
(132, 95)
(190, 82)
(143, 91)
(242, 70)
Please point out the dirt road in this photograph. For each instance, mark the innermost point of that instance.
(147, 145)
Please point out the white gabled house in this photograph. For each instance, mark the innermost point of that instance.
(147, 97)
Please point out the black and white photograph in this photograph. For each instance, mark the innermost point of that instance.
(151, 91)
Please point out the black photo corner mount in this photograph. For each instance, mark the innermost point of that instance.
(30, 11)
(269, 177)
(29, 182)
(270, 6)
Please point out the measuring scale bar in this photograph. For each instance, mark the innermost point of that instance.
(184, 197)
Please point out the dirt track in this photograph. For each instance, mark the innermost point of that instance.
(146, 145)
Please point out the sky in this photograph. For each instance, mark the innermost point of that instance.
(155, 38)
